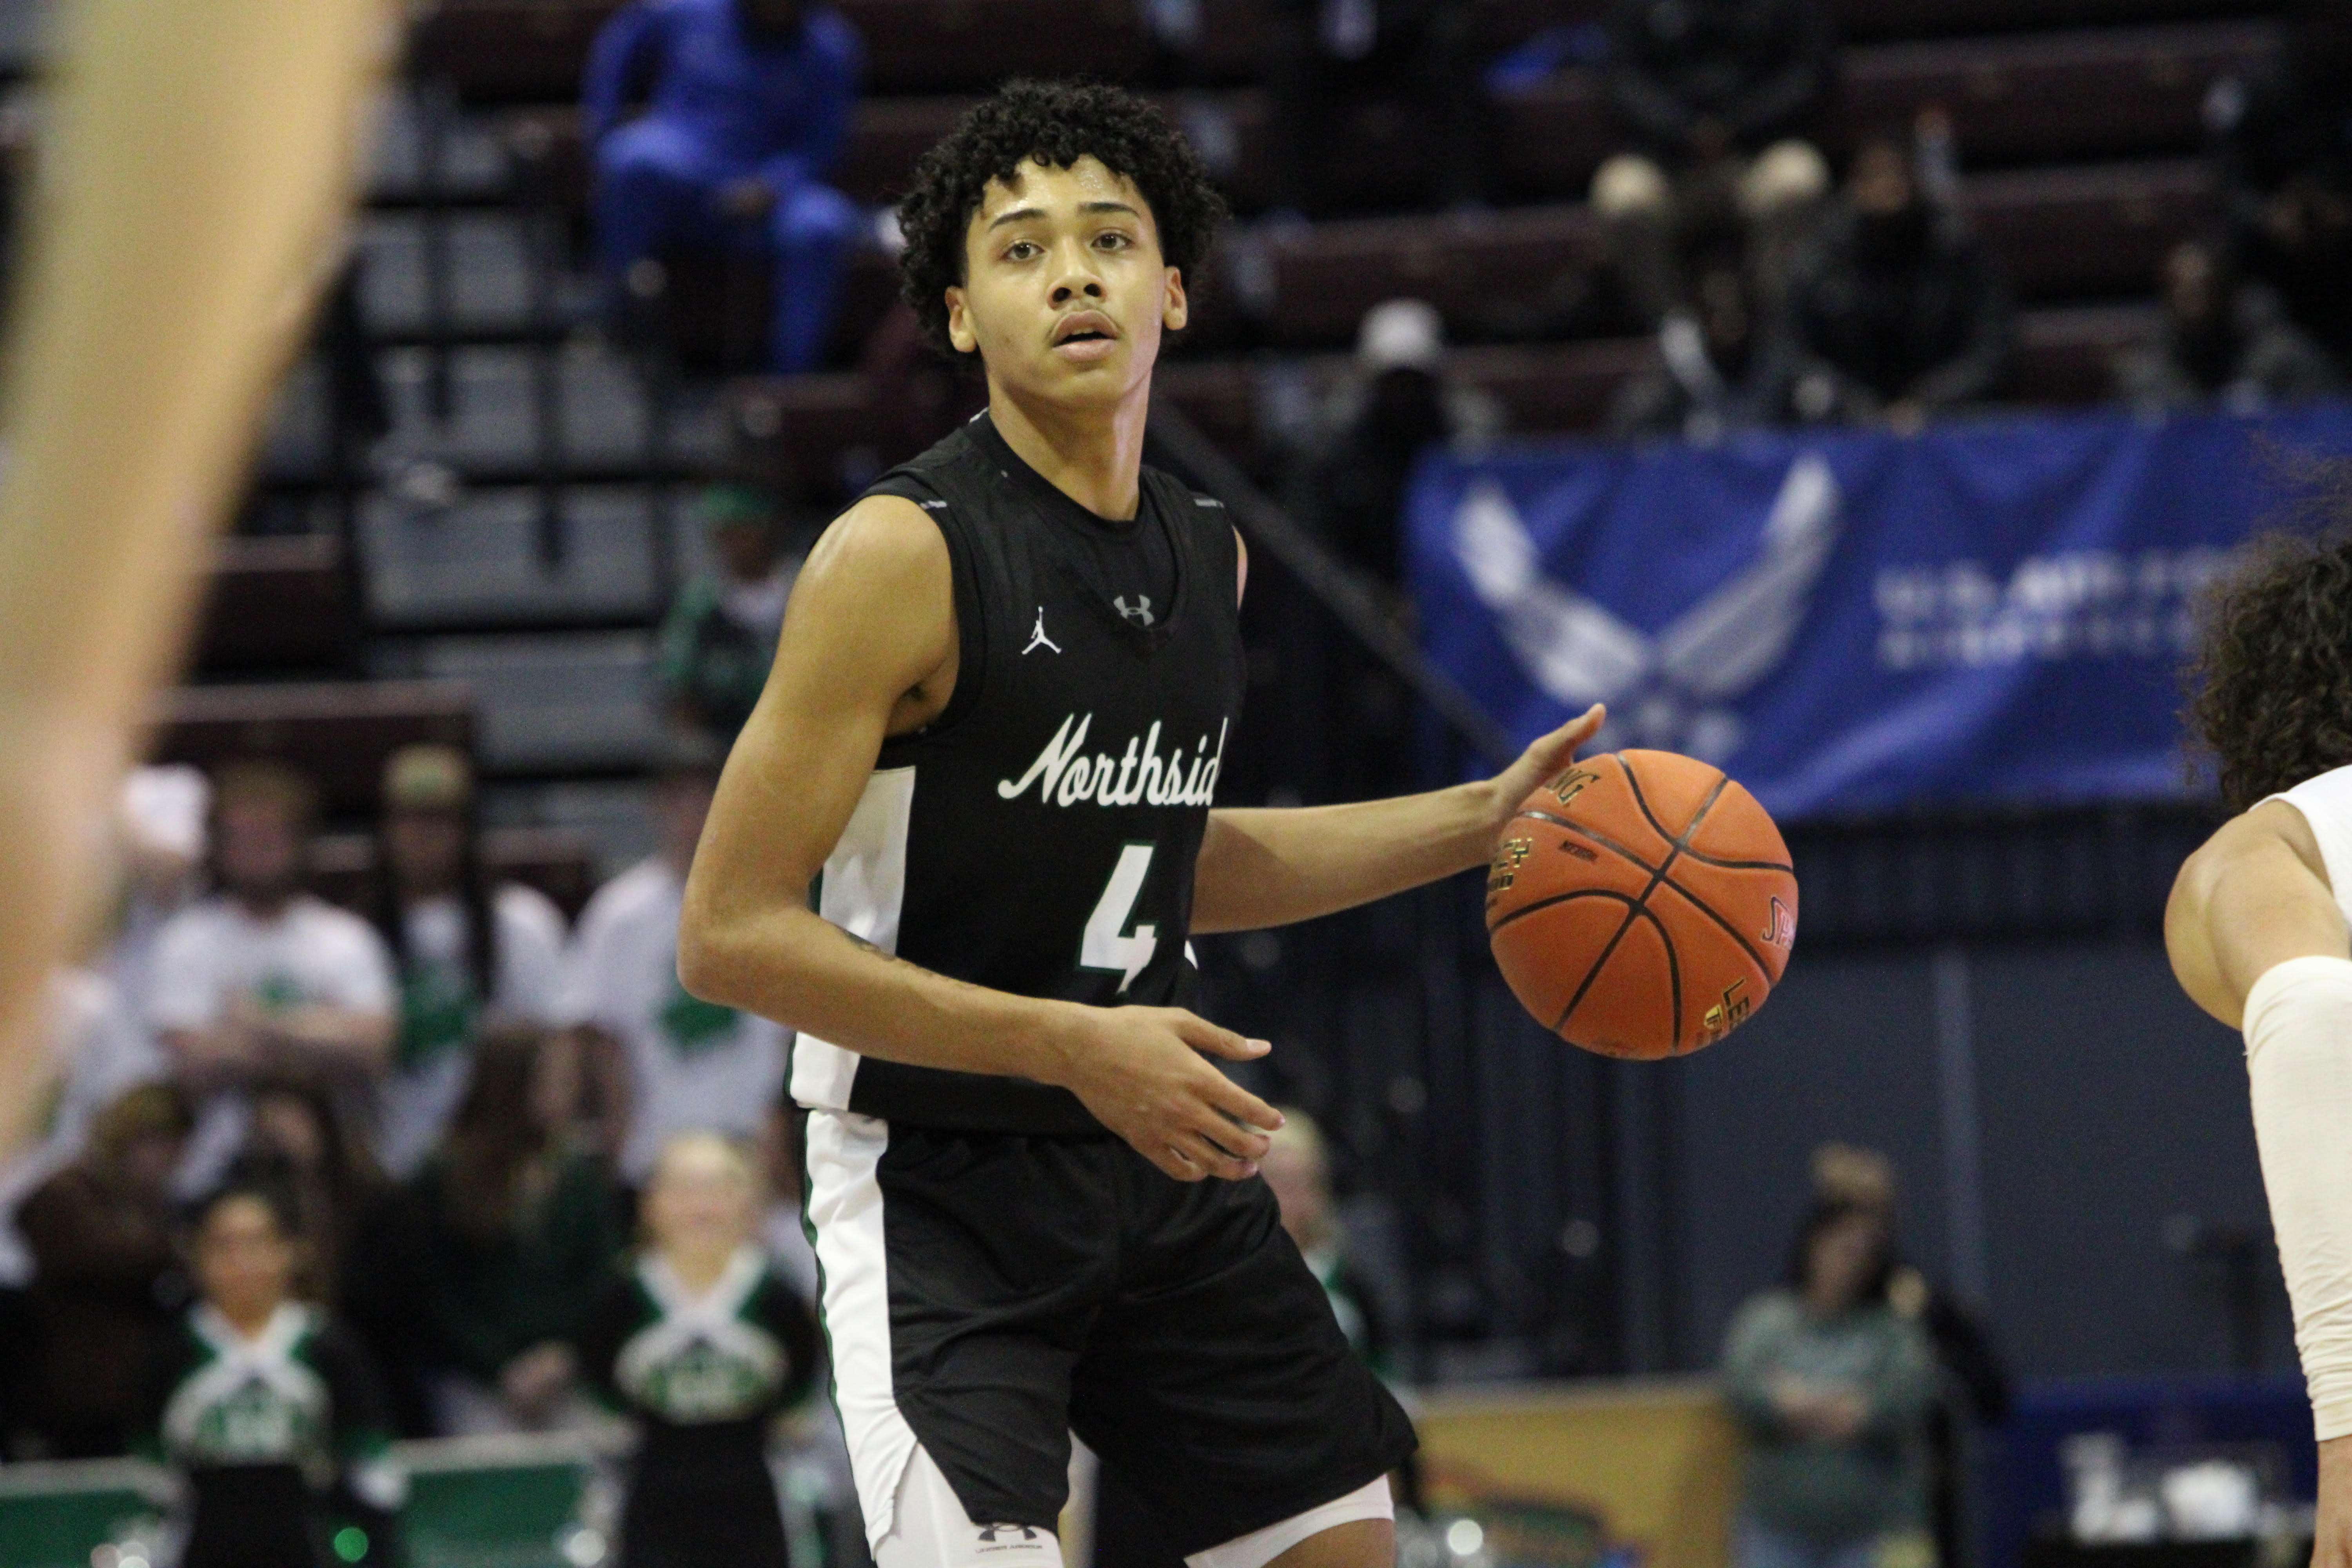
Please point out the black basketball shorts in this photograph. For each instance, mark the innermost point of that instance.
(987, 1294)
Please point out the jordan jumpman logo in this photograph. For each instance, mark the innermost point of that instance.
(1038, 637)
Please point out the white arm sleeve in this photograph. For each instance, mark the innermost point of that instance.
(2299, 1062)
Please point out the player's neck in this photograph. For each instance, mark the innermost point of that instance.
(1093, 455)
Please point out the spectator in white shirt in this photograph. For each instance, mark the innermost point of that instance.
(161, 823)
(468, 954)
(690, 1065)
(262, 978)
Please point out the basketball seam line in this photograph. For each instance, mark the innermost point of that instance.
(1673, 850)
(1689, 897)
(1722, 783)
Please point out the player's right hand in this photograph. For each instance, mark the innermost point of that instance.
(1139, 1070)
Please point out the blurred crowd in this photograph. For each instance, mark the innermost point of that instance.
(310, 1178)
(463, 1166)
(1858, 1387)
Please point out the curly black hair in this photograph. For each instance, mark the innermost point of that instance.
(1057, 123)
(2272, 683)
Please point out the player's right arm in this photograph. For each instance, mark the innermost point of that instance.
(2253, 896)
(869, 650)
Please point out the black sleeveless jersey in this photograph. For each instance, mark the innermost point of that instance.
(1039, 837)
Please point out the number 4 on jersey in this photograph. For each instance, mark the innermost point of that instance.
(1104, 947)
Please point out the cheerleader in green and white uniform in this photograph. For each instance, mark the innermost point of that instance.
(268, 1411)
(704, 1344)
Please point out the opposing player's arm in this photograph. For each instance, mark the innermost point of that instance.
(869, 650)
(2253, 896)
(1270, 867)
(2258, 940)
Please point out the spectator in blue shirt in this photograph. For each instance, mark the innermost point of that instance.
(749, 100)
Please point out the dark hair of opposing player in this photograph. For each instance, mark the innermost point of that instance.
(1055, 123)
(2272, 682)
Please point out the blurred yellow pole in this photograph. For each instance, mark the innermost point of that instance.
(197, 169)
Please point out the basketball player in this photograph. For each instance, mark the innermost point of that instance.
(960, 847)
(2257, 932)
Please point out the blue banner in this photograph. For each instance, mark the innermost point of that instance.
(1850, 621)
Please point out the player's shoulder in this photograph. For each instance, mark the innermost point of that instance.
(883, 549)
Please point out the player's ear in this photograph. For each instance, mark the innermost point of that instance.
(959, 330)
(1175, 310)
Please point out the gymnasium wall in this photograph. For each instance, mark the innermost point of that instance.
(2053, 1111)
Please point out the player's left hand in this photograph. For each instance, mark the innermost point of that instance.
(1546, 757)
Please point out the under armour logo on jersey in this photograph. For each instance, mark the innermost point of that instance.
(1039, 639)
(989, 1532)
(1140, 612)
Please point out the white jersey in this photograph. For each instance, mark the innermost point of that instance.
(441, 1017)
(693, 1066)
(215, 953)
(2325, 802)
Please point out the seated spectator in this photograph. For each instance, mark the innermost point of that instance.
(703, 1344)
(1398, 402)
(687, 1065)
(467, 953)
(750, 102)
(1720, 98)
(299, 1141)
(2285, 135)
(1896, 313)
(107, 1281)
(503, 1239)
(1722, 364)
(2222, 341)
(721, 635)
(267, 1410)
(96, 1052)
(262, 978)
(1973, 1388)
(1298, 1169)
(1327, 58)
(161, 825)
(1832, 1387)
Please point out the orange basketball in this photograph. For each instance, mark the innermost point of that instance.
(1641, 904)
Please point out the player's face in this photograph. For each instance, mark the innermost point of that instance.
(1065, 294)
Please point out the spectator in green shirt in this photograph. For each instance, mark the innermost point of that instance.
(1832, 1387)
(721, 634)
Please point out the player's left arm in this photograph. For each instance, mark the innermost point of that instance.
(1269, 866)
(2257, 940)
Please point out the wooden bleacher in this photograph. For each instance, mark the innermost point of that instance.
(339, 733)
(278, 604)
(558, 862)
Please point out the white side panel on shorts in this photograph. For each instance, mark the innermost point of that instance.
(862, 889)
(844, 1210)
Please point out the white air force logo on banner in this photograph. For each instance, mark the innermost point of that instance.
(1673, 690)
(1141, 774)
